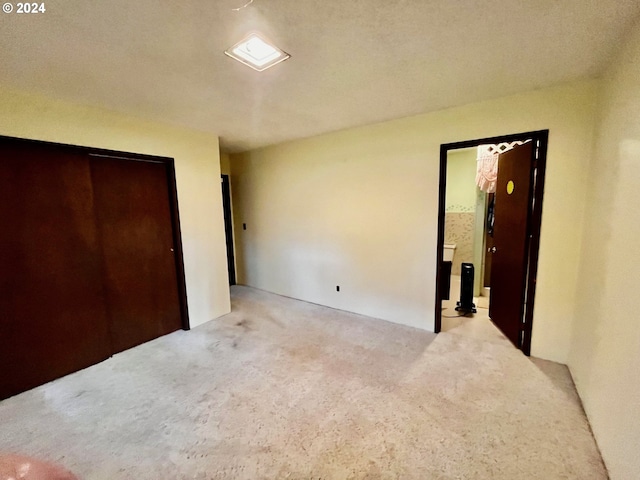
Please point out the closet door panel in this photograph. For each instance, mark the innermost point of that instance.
(52, 307)
(134, 217)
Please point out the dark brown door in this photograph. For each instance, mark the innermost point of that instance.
(53, 317)
(134, 220)
(509, 259)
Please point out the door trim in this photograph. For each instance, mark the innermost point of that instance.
(173, 203)
(541, 138)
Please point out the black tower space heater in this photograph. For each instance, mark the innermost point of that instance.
(466, 304)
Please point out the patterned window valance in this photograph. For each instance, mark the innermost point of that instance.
(487, 171)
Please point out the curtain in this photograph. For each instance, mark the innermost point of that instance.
(487, 170)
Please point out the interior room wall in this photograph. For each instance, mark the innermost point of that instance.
(359, 208)
(479, 241)
(605, 358)
(460, 206)
(197, 176)
(225, 167)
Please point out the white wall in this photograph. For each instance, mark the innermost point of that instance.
(358, 208)
(197, 176)
(605, 358)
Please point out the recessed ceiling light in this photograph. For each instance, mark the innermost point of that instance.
(256, 53)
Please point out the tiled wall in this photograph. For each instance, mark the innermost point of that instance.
(459, 229)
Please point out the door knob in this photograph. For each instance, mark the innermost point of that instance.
(492, 250)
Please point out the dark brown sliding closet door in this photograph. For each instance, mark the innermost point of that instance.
(53, 317)
(134, 222)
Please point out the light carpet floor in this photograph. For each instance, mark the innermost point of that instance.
(285, 389)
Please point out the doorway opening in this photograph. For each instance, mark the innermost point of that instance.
(493, 231)
(228, 228)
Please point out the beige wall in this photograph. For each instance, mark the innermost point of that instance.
(461, 180)
(197, 177)
(225, 167)
(605, 358)
(358, 208)
(460, 206)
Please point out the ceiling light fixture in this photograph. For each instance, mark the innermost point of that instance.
(256, 53)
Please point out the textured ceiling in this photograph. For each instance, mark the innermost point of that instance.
(353, 62)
